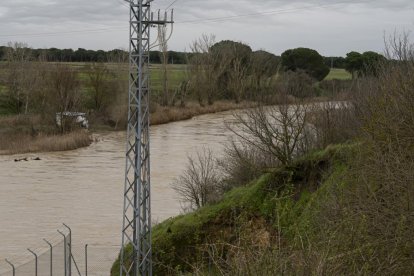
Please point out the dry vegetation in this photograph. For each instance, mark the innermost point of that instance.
(26, 143)
(220, 76)
(29, 133)
(163, 115)
(344, 210)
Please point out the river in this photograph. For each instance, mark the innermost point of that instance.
(84, 189)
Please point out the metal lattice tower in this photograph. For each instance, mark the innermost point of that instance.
(136, 229)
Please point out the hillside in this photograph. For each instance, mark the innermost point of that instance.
(243, 232)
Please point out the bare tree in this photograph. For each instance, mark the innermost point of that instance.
(199, 183)
(237, 79)
(20, 77)
(117, 109)
(399, 47)
(205, 68)
(243, 163)
(335, 122)
(280, 131)
(98, 75)
(238, 68)
(182, 92)
(63, 93)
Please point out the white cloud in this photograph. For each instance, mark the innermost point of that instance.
(3, 11)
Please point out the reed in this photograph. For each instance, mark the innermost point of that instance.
(15, 143)
(164, 115)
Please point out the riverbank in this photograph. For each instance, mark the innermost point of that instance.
(164, 115)
(21, 134)
(255, 229)
(19, 143)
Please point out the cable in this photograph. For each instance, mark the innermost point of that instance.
(225, 18)
(217, 19)
(175, 1)
(165, 41)
(123, 3)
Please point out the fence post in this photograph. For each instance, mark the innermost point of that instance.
(51, 256)
(35, 259)
(86, 260)
(14, 270)
(70, 249)
(64, 241)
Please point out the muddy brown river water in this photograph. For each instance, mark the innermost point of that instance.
(84, 189)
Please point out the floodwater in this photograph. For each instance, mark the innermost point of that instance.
(84, 189)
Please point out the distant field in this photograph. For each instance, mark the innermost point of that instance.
(338, 74)
(176, 73)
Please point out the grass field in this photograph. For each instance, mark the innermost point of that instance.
(338, 74)
(176, 73)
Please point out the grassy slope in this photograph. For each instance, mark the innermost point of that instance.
(281, 200)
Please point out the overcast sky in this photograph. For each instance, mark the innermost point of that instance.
(333, 27)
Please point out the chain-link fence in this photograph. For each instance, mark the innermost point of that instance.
(59, 256)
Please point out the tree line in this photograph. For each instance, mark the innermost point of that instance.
(121, 55)
(83, 55)
(225, 70)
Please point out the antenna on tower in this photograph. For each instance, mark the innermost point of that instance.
(136, 229)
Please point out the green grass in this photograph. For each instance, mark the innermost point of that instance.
(176, 73)
(338, 74)
(284, 199)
